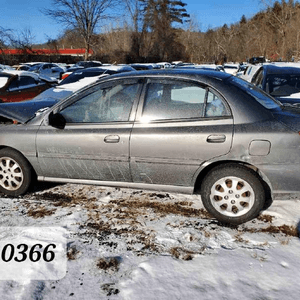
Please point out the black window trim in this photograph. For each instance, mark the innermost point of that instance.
(208, 88)
(87, 91)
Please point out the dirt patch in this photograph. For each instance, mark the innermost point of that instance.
(285, 229)
(110, 289)
(182, 208)
(110, 264)
(184, 254)
(63, 200)
(72, 253)
(265, 218)
(40, 212)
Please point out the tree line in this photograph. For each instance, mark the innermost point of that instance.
(162, 30)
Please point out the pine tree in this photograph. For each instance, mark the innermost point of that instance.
(159, 17)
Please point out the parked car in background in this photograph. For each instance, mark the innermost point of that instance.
(80, 65)
(48, 69)
(241, 70)
(257, 60)
(20, 112)
(18, 86)
(88, 64)
(6, 68)
(280, 80)
(187, 131)
(231, 68)
(249, 72)
(79, 79)
(95, 71)
(144, 66)
(209, 67)
(164, 65)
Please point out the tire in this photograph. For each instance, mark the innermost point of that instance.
(233, 194)
(15, 173)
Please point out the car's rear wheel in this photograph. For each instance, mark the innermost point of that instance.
(233, 194)
(15, 173)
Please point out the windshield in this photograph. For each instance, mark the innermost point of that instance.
(260, 96)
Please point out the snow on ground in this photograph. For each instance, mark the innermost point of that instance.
(132, 244)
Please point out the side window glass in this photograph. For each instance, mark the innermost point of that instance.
(26, 81)
(173, 101)
(215, 106)
(104, 105)
(258, 80)
(14, 84)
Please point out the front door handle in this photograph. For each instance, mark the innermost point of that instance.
(216, 138)
(112, 139)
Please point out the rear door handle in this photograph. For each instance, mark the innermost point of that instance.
(112, 139)
(216, 138)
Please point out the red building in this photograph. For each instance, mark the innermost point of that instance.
(71, 52)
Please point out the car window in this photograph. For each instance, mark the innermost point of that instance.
(215, 106)
(107, 104)
(22, 82)
(181, 100)
(34, 68)
(259, 95)
(258, 79)
(47, 66)
(283, 84)
(26, 81)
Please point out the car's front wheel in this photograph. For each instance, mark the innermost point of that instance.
(15, 173)
(233, 194)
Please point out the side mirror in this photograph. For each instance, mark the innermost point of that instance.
(57, 120)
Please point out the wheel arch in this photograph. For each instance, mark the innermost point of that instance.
(34, 173)
(264, 179)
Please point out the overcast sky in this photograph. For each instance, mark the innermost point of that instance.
(25, 14)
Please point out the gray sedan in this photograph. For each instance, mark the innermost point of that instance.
(186, 131)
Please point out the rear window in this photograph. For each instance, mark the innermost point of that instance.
(260, 96)
(279, 85)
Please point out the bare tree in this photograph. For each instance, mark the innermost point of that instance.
(81, 15)
(24, 40)
(280, 20)
(5, 37)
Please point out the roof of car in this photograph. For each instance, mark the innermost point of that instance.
(103, 68)
(188, 73)
(283, 68)
(20, 73)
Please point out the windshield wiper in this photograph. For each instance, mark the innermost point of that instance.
(290, 105)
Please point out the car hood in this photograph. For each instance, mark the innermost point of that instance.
(25, 110)
(54, 93)
(290, 116)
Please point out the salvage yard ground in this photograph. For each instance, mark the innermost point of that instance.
(133, 244)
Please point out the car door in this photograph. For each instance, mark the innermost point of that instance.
(94, 144)
(180, 125)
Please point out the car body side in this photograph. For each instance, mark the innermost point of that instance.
(254, 138)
